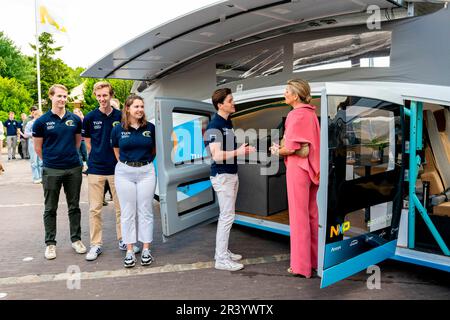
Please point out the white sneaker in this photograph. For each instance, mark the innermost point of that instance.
(50, 252)
(123, 247)
(93, 253)
(228, 265)
(79, 246)
(146, 257)
(130, 260)
(234, 256)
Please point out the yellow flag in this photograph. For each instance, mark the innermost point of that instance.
(48, 22)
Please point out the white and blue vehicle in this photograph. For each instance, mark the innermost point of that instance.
(380, 77)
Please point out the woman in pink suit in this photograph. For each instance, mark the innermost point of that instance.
(302, 158)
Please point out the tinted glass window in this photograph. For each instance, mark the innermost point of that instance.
(368, 49)
(365, 176)
(259, 63)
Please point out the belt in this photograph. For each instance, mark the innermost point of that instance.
(136, 163)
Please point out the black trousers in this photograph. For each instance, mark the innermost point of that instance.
(53, 180)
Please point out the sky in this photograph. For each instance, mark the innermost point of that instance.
(94, 27)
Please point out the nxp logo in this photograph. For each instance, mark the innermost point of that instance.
(339, 229)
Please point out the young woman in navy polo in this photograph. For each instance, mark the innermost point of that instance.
(134, 147)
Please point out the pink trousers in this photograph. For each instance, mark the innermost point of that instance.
(303, 220)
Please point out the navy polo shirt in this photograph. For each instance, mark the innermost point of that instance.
(134, 145)
(11, 127)
(98, 127)
(221, 130)
(59, 150)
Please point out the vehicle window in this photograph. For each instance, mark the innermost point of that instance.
(187, 137)
(194, 195)
(368, 49)
(365, 175)
(259, 63)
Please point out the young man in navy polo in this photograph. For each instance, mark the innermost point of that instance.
(97, 127)
(12, 126)
(224, 178)
(57, 138)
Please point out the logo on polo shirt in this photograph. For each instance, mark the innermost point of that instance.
(147, 134)
(115, 123)
(69, 123)
(97, 124)
(50, 125)
(125, 134)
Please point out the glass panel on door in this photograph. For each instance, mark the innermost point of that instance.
(365, 179)
(186, 195)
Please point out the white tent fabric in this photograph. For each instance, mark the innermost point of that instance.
(419, 54)
(228, 22)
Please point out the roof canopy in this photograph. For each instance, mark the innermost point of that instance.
(159, 50)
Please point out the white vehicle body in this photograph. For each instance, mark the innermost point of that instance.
(254, 47)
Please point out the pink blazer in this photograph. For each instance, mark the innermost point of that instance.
(302, 126)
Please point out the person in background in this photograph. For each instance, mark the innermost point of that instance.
(222, 145)
(115, 103)
(106, 190)
(29, 117)
(83, 150)
(12, 131)
(57, 138)
(135, 180)
(302, 157)
(35, 161)
(23, 144)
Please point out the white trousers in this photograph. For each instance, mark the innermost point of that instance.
(226, 187)
(135, 187)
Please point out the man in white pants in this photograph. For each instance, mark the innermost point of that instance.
(224, 178)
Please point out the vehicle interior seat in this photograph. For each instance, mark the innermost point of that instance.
(436, 129)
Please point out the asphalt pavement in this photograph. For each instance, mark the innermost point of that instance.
(183, 266)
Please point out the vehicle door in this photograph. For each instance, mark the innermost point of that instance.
(185, 192)
(362, 178)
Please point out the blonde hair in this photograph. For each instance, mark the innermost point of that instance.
(52, 89)
(103, 84)
(126, 112)
(301, 88)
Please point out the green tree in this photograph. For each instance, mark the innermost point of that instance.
(46, 49)
(13, 97)
(122, 89)
(13, 64)
(53, 70)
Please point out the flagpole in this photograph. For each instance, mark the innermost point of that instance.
(38, 63)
